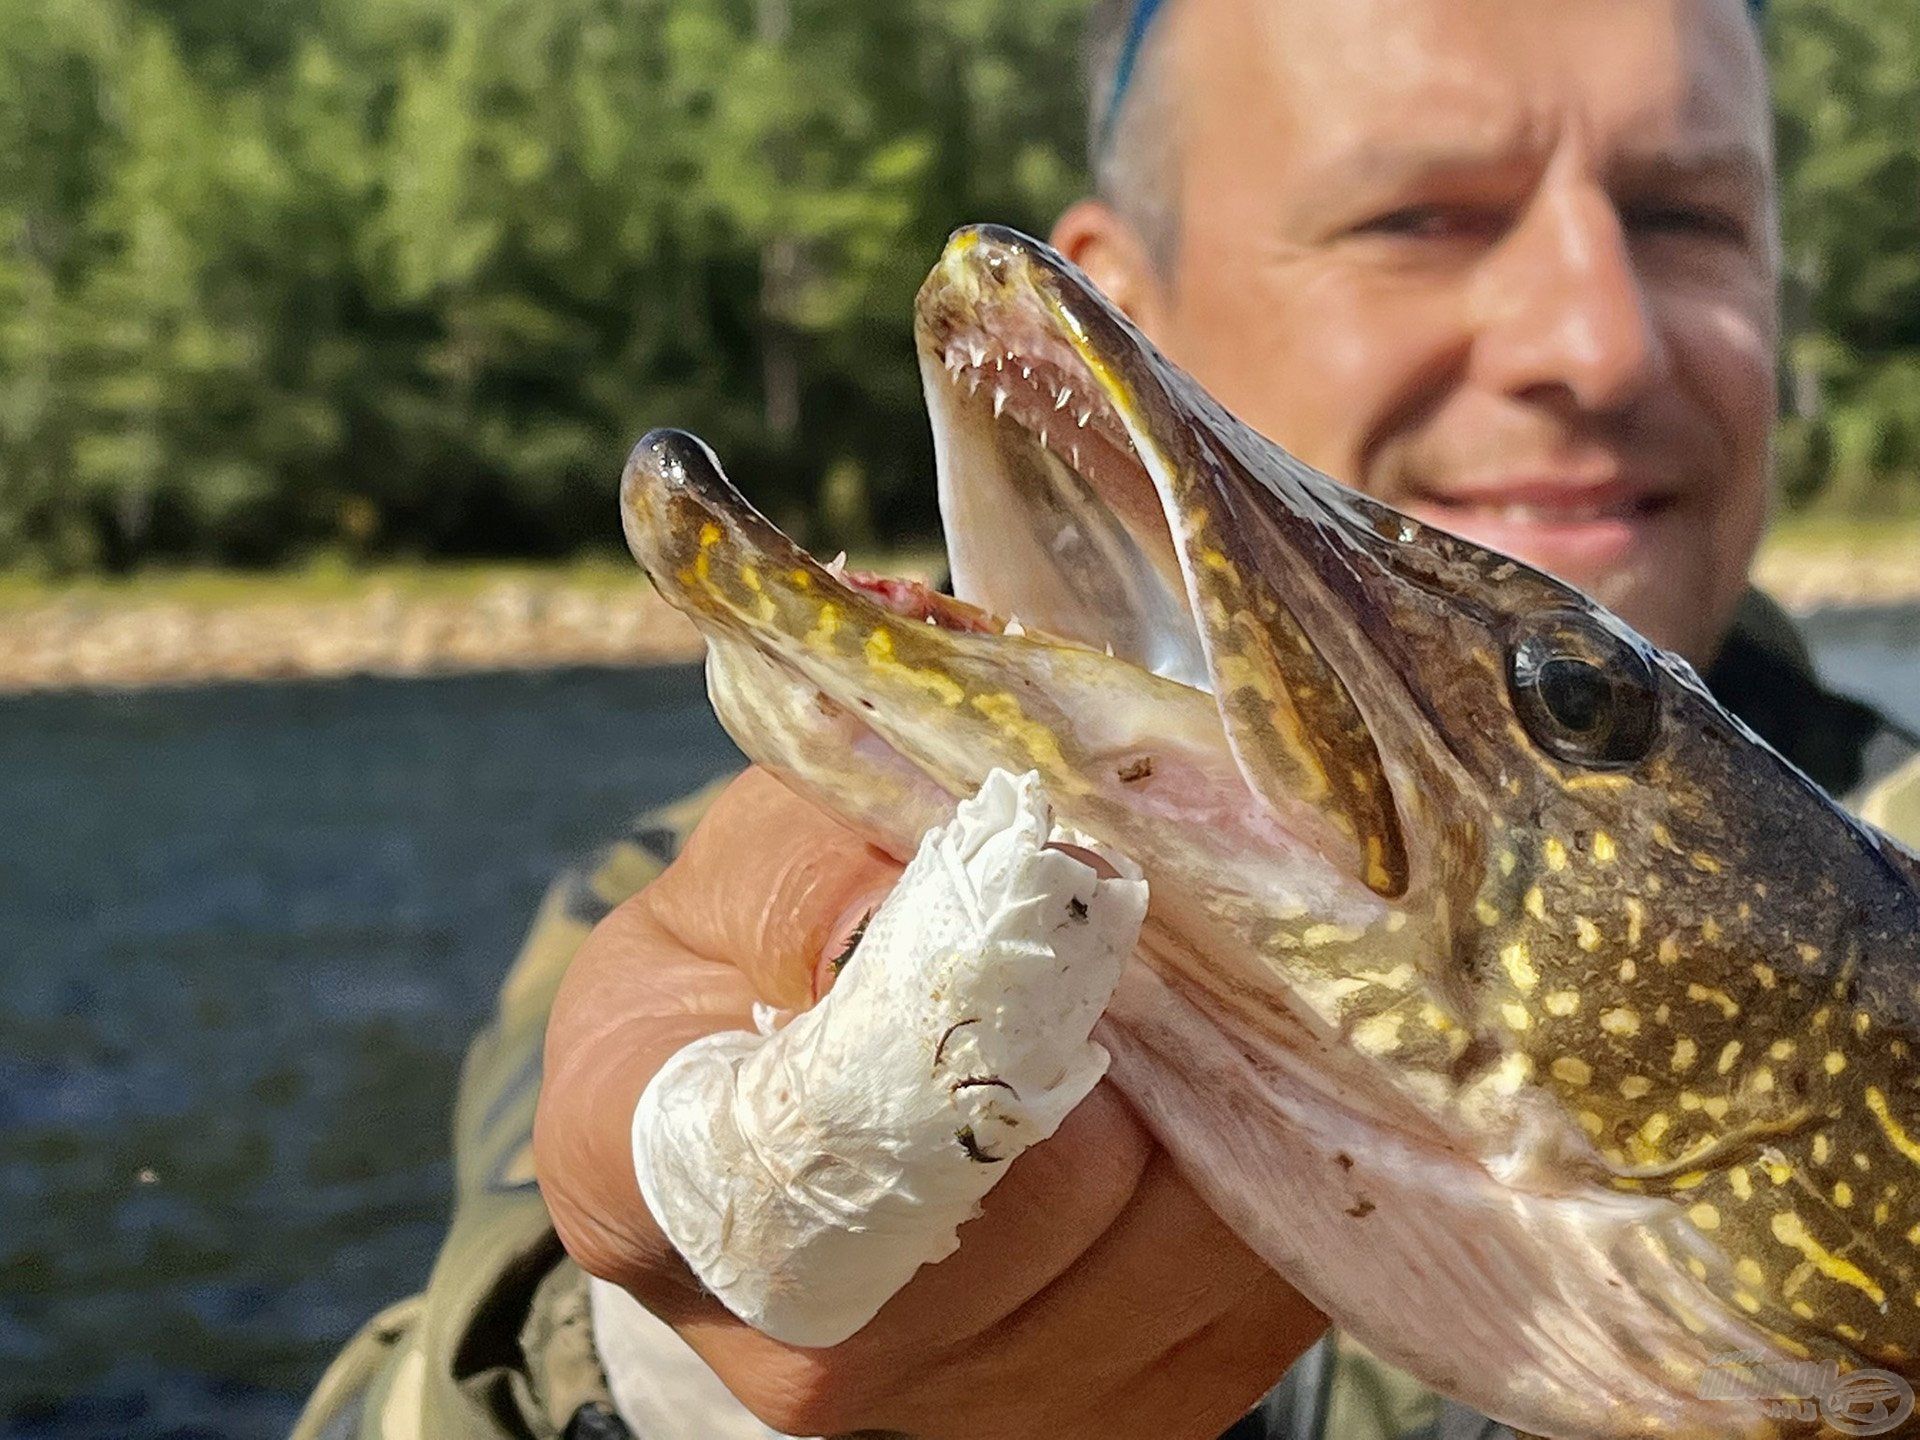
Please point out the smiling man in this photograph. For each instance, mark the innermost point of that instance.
(1509, 267)
(1505, 264)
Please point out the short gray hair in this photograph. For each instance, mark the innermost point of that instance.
(1132, 154)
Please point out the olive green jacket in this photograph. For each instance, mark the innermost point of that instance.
(499, 1344)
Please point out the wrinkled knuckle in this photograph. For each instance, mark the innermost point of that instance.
(551, 1146)
(608, 1254)
(587, 1243)
(812, 1393)
(592, 1248)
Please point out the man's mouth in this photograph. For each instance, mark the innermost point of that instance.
(1568, 527)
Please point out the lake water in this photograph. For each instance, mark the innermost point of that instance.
(248, 931)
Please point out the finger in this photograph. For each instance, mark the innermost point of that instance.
(1055, 1203)
(1161, 1275)
(809, 1175)
(770, 884)
(764, 884)
(1165, 1326)
(1197, 1389)
(631, 999)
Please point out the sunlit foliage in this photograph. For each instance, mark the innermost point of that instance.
(407, 276)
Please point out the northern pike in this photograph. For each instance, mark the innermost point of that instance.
(1534, 1018)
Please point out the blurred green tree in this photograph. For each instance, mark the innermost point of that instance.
(1847, 85)
(405, 276)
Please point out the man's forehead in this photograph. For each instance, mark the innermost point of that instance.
(1410, 83)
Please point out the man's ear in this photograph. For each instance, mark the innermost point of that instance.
(1094, 236)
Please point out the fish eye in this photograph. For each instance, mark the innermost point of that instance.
(1585, 695)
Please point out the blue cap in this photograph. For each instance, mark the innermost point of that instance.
(1144, 12)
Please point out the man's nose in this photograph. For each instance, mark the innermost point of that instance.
(1561, 306)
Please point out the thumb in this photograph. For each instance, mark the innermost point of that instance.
(772, 885)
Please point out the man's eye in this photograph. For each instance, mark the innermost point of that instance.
(1433, 222)
(1684, 220)
(1412, 220)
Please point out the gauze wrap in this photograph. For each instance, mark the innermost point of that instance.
(806, 1173)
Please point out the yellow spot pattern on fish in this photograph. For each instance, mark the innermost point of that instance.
(1573, 1071)
(1622, 1020)
(1789, 1229)
(943, 687)
(1712, 995)
(825, 626)
(1892, 1129)
(1518, 961)
(1038, 741)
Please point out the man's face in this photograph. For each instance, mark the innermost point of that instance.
(1502, 263)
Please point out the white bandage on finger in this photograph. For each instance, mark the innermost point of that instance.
(805, 1175)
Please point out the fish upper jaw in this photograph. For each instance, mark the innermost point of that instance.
(1089, 484)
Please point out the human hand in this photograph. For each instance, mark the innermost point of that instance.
(1095, 1294)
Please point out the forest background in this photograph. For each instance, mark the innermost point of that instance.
(393, 279)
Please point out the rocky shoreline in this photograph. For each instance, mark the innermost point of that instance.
(1865, 577)
(91, 643)
(100, 640)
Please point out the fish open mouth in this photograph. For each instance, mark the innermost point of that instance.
(1090, 491)
(1051, 515)
(1091, 504)
(1053, 528)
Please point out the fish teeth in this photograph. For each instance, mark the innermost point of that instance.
(1082, 416)
(999, 401)
(1064, 398)
(1043, 437)
(1026, 372)
(978, 352)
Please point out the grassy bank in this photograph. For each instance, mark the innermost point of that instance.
(1815, 561)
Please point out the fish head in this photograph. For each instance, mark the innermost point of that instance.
(1208, 647)
(1491, 869)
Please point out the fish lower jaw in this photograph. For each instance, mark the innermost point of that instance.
(823, 748)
